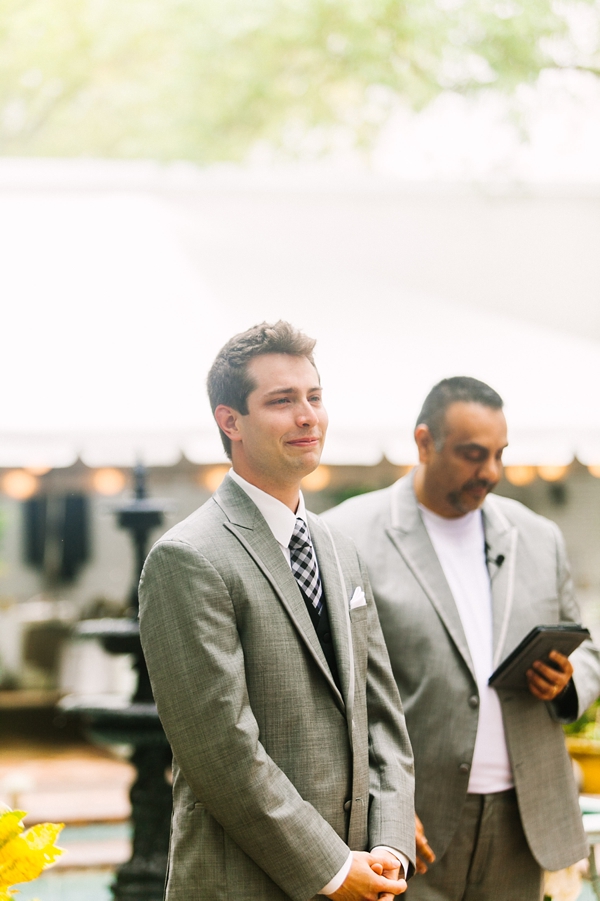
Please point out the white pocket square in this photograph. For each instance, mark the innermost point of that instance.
(358, 599)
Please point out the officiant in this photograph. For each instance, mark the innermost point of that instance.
(459, 578)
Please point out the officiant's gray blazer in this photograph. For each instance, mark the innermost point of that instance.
(434, 672)
(277, 772)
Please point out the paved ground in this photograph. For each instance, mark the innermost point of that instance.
(72, 784)
(86, 788)
(87, 885)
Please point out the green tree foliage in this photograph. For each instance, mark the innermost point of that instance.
(206, 79)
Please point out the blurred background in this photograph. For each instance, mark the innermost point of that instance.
(416, 184)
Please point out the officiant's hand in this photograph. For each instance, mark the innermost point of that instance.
(424, 853)
(546, 682)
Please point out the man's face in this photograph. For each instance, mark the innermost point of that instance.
(458, 477)
(281, 437)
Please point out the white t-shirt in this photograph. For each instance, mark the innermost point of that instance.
(460, 546)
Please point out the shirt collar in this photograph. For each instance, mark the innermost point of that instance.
(278, 517)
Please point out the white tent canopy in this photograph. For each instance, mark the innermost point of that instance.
(119, 284)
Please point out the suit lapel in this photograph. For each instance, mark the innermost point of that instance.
(501, 540)
(336, 600)
(410, 537)
(248, 525)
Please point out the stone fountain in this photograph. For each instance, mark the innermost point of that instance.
(136, 724)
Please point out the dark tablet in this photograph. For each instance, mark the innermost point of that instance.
(562, 637)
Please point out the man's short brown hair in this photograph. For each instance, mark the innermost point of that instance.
(459, 389)
(228, 381)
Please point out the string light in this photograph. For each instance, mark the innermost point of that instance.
(19, 484)
(520, 475)
(318, 479)
(552, 473)
(213, 477)
(108, 481)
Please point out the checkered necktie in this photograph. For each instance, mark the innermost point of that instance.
(304, 565)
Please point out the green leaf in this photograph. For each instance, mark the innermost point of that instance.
(207, 80)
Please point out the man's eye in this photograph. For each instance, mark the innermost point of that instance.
(474, 456)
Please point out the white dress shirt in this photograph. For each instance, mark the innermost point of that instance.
(278, 517)
(460, 547)
(282, 521)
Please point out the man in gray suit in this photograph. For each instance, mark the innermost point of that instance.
(292, 767)
(459, 579)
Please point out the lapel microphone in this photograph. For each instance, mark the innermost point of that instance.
(497, 561)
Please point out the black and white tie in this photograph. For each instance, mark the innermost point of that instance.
(304, 565)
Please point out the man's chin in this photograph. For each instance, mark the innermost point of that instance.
(466, 503)
(310, 467)
(473, 500)
(308, 463)
(309, 453)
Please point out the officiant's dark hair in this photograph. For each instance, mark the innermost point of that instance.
(228, 381)
(450, 391)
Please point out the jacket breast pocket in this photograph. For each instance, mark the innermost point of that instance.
(358, 615)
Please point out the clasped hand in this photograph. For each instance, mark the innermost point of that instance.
(545, 682)
(372, 877)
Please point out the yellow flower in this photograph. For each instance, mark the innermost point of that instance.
(24, 854)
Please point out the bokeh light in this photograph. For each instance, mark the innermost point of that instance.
(520, 475)
(108, 481)
(19, 484)
(552, 473)
(212, 478)
(317, 480)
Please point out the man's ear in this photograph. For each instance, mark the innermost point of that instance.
(424, 442)
(227, 420)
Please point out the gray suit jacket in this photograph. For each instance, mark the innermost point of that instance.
(277, 773)
(434, 672)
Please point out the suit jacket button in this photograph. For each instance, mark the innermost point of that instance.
(347, 805)
(473, 701)
(464, 768)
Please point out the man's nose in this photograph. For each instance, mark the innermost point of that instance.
(491, 470)
(307, 415)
